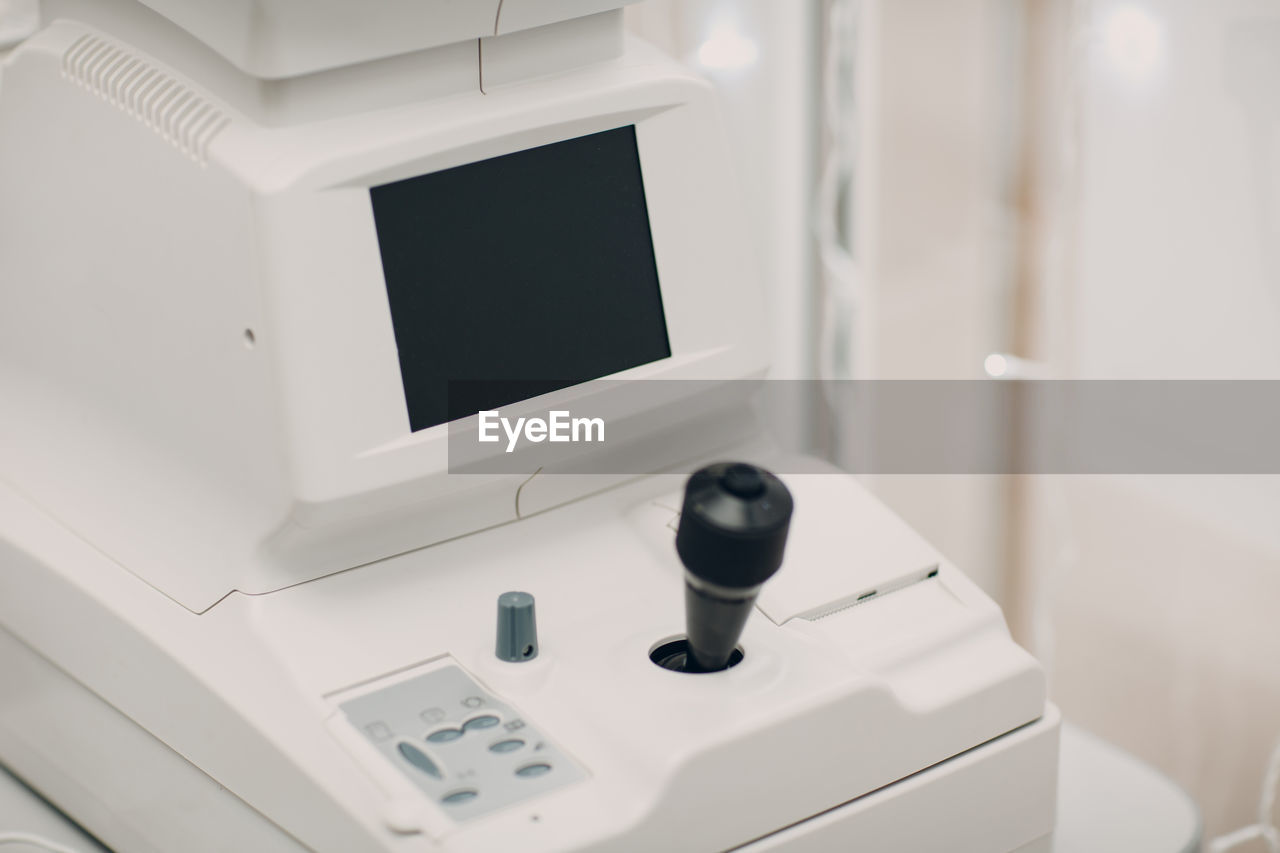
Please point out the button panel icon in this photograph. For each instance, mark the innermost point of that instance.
(463, 747)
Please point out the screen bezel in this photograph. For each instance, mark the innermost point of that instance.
(349, 435)
(434, 242)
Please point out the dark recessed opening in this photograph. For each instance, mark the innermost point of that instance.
(673, 654)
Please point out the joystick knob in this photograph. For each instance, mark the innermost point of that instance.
(733, 529)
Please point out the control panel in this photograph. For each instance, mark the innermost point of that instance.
(459, 744)
(474, 753)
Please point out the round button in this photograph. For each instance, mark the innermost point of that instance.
(743, 481)
(487, 721)
(510, 745)
(419, 759)
(454, 798)
(530, 771)
(444, 735)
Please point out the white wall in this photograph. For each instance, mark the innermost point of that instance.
(934, 230)
(762, 57)
(1149, 202)
(930, 211)
(1159, 597)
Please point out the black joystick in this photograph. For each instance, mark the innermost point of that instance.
(733, 529)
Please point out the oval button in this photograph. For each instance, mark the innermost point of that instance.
(506, 745)
(454, 798)
(487, 721)
(444, 735)
(420, 760)
(530, 771)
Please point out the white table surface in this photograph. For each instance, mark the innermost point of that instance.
(1108, 802)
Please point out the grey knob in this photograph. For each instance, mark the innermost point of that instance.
(517, 628)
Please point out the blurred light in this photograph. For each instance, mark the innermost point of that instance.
(1003, 365)
(727, 49)
(1133, 43)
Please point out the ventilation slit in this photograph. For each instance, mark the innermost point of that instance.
(86, 60)
(192, 123)
(136, 85)
(143, 97)
(99, 71)
(115, 83)
(149, 105)
(108, 72)
(164, 107)
(173, 113)
(177, 113)
(73, 52)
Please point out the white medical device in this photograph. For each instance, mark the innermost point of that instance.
(244, 248)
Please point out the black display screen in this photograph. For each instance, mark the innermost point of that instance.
(520, 275)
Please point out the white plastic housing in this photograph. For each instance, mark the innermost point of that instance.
(195, 308)
(912, 716)
(203, 426)
(286, 38)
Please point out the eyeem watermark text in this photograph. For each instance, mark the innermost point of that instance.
(559, 426)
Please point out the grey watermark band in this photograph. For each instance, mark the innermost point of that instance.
(892, 426)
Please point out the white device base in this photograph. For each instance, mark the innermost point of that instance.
(1164, 821)
(863, 702)
(233, 561)
(967, 798)
(101, 767)
(961, 805)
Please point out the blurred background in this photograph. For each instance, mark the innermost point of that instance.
(1076, 189)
